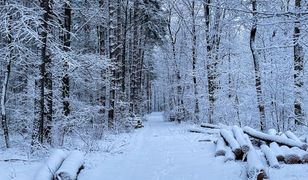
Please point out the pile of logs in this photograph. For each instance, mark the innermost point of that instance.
(61, 165)
(248, 144)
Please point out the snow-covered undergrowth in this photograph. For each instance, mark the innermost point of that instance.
(161, 150)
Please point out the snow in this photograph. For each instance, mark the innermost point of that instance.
(228, 136)
(278, 139)
(239, 136)
(165, 151)
(220, 147)
(161, 151)
(71, 166)
(272, 132)
(277, 151)
(270, 156)
(292, 136)
(52, 164)
(229, 154)
(255, 164)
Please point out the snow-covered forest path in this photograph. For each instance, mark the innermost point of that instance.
(164, 151)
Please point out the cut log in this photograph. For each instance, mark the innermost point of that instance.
(210, 126)
(71, 166)
(301, 153)
(229, 156)
(220, 147)
(292, 136)
(256, 169)
(52, 164)
(277, 151)
(290, 156)
(272, 132)
(234, 145)
(270, 156)
(239, 136)
(271, 138)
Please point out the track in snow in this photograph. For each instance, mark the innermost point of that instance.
(164, 151)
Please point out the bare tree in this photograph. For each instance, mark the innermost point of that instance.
(256, 63)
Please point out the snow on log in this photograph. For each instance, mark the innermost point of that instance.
(292, 136)
(270, 156)
(256, 169)
(52, 164)
(220, 147)
(277, 151)
(301, 153)
(272, 138)
(234, 145)
(290, 156)
(211, 126)
(71, 166)
(239, 136)
(283, 135)
(229, 156)
(272, 132)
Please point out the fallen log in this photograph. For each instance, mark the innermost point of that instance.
(234, 145)
(270, 156)
(229, 155)
(272, 138)
(277, 151)
(52, 164)
(292, 136)
(290, 156)
(220, 147)
(239, 136)
(256, 169)
(70, 167)
(193, 130)
(303, 155)
(210, 126)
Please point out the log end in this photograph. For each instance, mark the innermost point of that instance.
(280, 158)
(238, 154)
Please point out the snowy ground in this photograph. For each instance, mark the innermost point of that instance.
(159, 151)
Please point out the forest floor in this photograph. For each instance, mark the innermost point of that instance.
(159, 151)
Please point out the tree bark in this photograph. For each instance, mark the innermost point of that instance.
(40, 83)
(66, 48)
(298, 66)
(256, 63)
(194, 61)
(6, 82)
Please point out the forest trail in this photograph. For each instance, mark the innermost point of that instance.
(164, 151)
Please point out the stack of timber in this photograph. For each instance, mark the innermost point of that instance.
(274, 148)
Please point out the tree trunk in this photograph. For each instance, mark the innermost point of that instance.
(39, 106)
(298, 66)
(5, 83)
(255, 58)
(112, 56)
(66, 46)
(194, 61)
